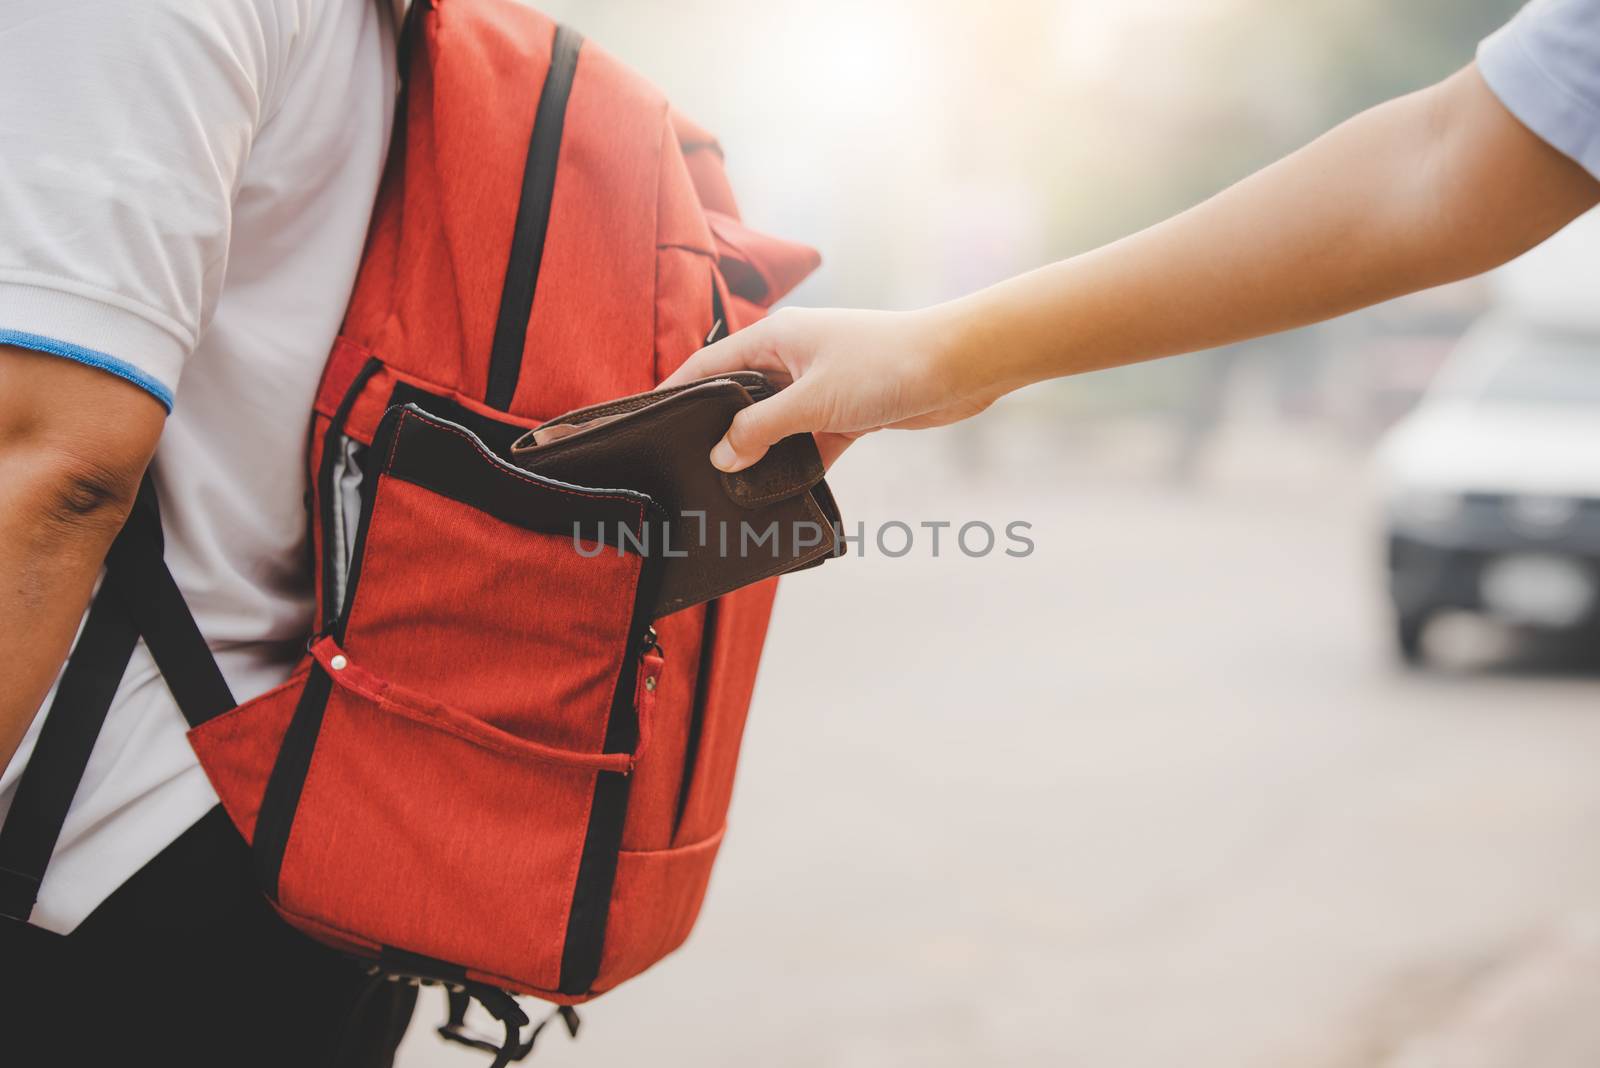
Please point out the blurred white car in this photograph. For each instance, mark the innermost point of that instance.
(1491, 486)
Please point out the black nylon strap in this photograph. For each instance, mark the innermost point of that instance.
(597, 864)
(504, 1008)
(138, 595)
(406, 44)
(533, 220)
(136, 567)
(48, 783)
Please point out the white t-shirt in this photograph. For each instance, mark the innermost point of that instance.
(1544, 65)
(184, 194)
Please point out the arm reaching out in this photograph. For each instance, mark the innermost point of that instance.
(1426, 189)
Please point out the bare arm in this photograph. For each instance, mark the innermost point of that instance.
(74, 442)
(1425, 189)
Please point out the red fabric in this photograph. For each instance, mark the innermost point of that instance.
(399, 700)
(420, 838)
(653, 907)
(758, 267)
(599, 263)
(736, 639)
(704, 159)
(680, 214)
(454, 602)
(443, 813)
(347, 359)
(645, 685)
(681, 322)
(657, 781)
(237, 748)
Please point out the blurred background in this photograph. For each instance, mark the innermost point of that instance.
(1281, 748)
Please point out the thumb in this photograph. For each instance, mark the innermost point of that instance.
(758, 427)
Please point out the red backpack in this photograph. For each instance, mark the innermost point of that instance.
(489, 771)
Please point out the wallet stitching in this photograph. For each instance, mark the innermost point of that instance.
(629, 404)
(633, 404)
(586, 439)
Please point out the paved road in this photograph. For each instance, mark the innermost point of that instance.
(1153, 796)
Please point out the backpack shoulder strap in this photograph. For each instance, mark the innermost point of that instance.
(138, 597)
(60, 756)
(137, 570)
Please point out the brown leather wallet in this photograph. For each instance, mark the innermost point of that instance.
(723, 531)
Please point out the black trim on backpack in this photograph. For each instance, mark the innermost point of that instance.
(495, 433)
(328, 492)
(282, 795)
(597, 865)
(719, 315)
(697, 713)
(281, 798)
(448, 465)
(406, 40)
(597, 872)
(431, 466)
(533, 220)
(397, 961)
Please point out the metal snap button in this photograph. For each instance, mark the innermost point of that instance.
(650, 683)
(338, 663)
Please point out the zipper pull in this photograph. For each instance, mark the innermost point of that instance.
(651, 663)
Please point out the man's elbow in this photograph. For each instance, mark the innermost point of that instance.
(87, 492)
(59, 512)
(74, 443)
(63, 491)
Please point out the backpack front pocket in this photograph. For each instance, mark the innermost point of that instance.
(453, 780)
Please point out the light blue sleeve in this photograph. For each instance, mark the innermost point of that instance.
(1544, 65)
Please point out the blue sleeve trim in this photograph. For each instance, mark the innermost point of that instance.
(91, 357)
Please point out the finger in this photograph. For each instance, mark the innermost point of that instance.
(745, 350)
(756, 428)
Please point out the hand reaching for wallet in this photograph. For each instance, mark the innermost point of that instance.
(848, 372)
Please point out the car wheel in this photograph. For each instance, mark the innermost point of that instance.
(1408, 637)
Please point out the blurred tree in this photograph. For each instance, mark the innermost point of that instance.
(1244, 87)
(1196, 104)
